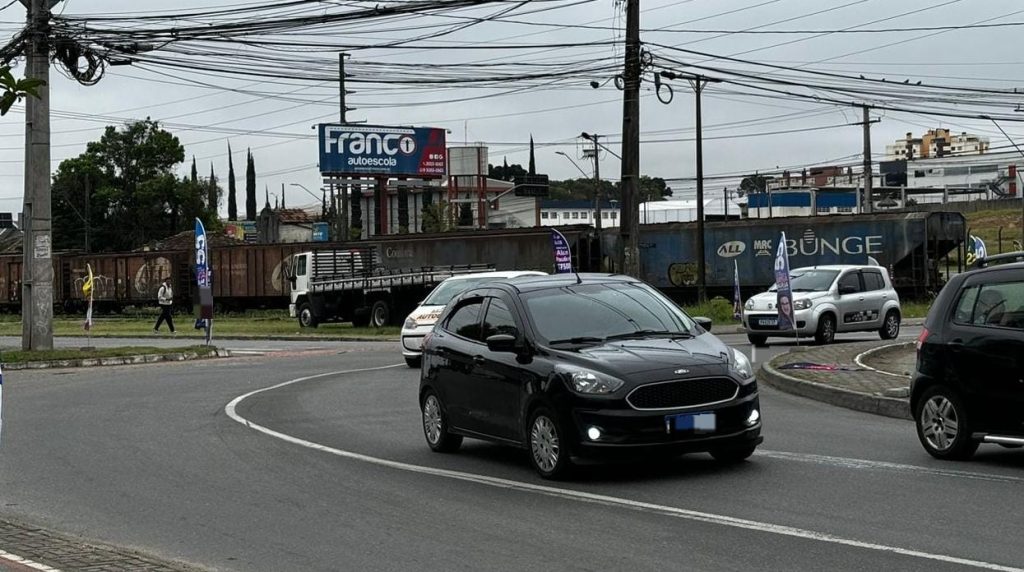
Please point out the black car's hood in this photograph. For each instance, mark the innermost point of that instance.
(654, 358)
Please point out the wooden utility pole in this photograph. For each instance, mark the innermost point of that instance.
(37, 263)
(698, 83)
(629, 219)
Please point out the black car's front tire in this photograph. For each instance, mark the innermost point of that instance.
(943, 426)
(435, 425)
(759, 340)
(546, 445)
(734, 454)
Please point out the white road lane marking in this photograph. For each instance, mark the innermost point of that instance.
(568, 494)
(849, 463)
(14, 558)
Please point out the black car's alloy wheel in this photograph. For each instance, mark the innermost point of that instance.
(942, 425)
(547, 449)
(435, 426)
(890, 329)
(826, 333)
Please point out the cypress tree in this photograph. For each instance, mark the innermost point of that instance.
(232, 200)
(212, 202)
(250, 188)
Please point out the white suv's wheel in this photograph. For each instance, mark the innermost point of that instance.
(890, 329)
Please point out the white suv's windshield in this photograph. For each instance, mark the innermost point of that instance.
(810, 280)
(451, 288)
(596, 312)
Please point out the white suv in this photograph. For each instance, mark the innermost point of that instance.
(828, 300)
(421, 321)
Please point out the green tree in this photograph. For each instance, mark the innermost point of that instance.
(123, 189)
(505, 172)
(13, 90)
(232, 199)
(250, 188)
(754, 184)
(438, 217)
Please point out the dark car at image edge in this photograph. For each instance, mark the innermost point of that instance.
(576, 368)
(968, 387)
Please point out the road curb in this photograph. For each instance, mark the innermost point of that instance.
(736, 329)
(859, 359)
(109, 361)
(879, 405)
(240, 337)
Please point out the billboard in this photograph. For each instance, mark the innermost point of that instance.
(378, 151)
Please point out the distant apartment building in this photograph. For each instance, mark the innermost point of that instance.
(936, 143)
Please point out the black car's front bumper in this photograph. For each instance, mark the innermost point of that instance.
(629, 432)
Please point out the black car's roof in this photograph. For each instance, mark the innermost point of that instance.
(533, 283)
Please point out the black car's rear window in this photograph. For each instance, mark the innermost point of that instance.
(603, 310)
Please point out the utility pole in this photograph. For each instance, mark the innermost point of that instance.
(698, 83)
(88, 201)
(37, 265)
(868, 183)
(597, 196)
(629, 228)
(342, 92)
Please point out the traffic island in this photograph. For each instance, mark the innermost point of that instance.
(873, 377)
(92, 357)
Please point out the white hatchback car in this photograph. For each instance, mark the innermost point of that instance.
(828, 300)
(421, 321)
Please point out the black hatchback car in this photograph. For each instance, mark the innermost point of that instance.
(969, 384)
(576, 367)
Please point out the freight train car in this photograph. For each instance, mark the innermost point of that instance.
(909, 244)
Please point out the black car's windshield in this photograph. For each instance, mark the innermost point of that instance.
(810, 280)
(451, 288)
(595, 312)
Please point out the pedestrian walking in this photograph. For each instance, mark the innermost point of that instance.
(165, 298)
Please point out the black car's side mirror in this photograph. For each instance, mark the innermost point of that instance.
(502, 343)
(703, 322)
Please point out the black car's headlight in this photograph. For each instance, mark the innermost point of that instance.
(590, 382)
(741, 365)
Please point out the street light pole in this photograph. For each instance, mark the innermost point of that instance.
(597, 197)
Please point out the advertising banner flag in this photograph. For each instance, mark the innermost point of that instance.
(203, 281)
(737, 298)
(976, 249)
(784, 294)
(87, 288)
(563, 256)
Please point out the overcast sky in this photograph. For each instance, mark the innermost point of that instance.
(976, 57)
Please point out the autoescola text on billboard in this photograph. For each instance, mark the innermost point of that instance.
(378, 151)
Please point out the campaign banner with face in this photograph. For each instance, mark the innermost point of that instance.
(783, 292)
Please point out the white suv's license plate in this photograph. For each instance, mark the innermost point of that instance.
(772, 322)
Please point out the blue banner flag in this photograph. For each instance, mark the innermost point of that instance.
(784, 294)
(975, 249)
(737, 298)
(563, 256)
(203, 281)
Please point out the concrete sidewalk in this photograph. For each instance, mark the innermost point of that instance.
(26, 547)
(869, 376)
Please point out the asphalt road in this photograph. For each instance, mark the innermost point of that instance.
(331, 473)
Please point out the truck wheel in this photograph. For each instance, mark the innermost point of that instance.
(306, 317)
(361, 318)
(380, 314)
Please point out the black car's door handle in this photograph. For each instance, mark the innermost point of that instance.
(955, 344)
(478, 360)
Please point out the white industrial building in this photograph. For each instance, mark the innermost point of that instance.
(555, 212)
(685, 210)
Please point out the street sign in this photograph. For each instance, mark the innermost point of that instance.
(531, 186)
(378, 151)
(320, 232)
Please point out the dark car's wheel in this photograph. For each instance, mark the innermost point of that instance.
(548, 453)
(435, 426)
(731, 455)
(414, 362)
(758, 340)
(826, 333)
(306, 317)
(943, 426)
(891, 326)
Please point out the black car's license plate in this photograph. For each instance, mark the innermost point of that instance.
(691, 422)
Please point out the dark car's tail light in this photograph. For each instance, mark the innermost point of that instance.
(922, 338)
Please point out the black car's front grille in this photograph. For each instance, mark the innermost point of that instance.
(683, 393)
